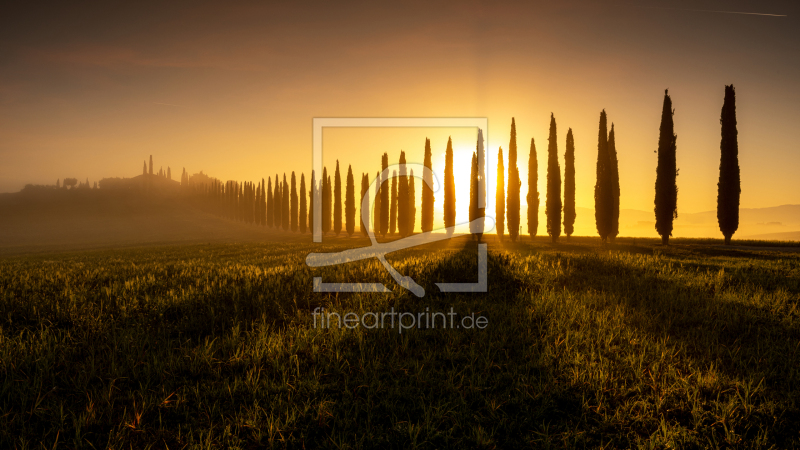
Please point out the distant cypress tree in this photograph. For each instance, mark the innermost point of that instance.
(151, 165)
(377, 210)
(553, 206)
(313, 196)
(427, 192)
(277, 209)
(514, 183)
(613, 173)
(393, 212)
(602, 187)
(337, 200)
(666, 201)
(294, 212)
(330, 204)
(303, 217)
(286, 213)
(412, 205)
(240, 201)
(533, 191)
(729, 186)
(449, 187)
(263, 203)
(364, 191)
(500, 196)
(326, 202)
(385, 191)
(473, 196)
(58, 183)
(350, 203)
(144, 168)
(270, 203)
(569, 186)
(169, 173)
(402, 197)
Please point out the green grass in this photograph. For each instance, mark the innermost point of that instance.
(207, 346)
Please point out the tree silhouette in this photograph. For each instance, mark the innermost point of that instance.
(473, 194)
(729, 186)
(402, 198)
(144, 168)
(553, 206)
(326, 201)
(377, 210)
(303, 214)
(364, 190)
(613, 173)
(286, 213)
(151, 165)
(500, 196)
(666, 201)
(427, 192)
(313, 197)
(514, 183)
(294, 212)
(270, 203)
(449, 187)
(350, 203)
(393, 214)
(412, 206)
(70, 182)
(533, 191)
(569, 186)
(263, 204)
(337, 200)
(385, 191)
(277, 209)
(602, 187)
(58, 183)
(169, 173)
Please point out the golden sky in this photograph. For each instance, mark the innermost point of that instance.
(92, 90)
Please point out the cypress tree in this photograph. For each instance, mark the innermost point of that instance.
(449, 187)
(569, 186)
(613, 173)
(337, 200)
(377, 210)
(151, 165)
(480, 178)
(326, 202)
(553, 206)
(666, 200)
(313, 196)
(533, 191)
(393, 214)
(473, 196)
(350, 203)
(270, 203)
(144, 168)
(427, 192)
(294, 212)
(385, 191)
(303, 216)
(263, 203)
(602, 187)
(286, 213)
(514, 184)
(277, 209)
(500, 196)
(169, 173)
(729, 186)
(364, 191)
(412, 205)
(330, 204)
(402, 198)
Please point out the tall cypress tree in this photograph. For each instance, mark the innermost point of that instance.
(377, 210)
(449, 187)
(337, 200)
(364, 191)
(303, 217)
(533, 191)
(427, 192)
(569, 186)
(613, 173)
(329, 217)
(276, 203)
(412, 205)
(473, 197)
(385, 191)
(500, 196)
(553, 206)
(393, 212)
(602, 187)
(286, 213)
(326, 202)
(402, 198)
(144, 168)
(666, 200)
(151, 165)
(350, 203)
(313, 198)
(263, 203)
(729, 186)
(514, 183)
(294, 212)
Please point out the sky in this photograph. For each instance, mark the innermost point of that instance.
(91, 90)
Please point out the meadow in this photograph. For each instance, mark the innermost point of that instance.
(630, 345)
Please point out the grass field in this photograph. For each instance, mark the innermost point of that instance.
(633, 345)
